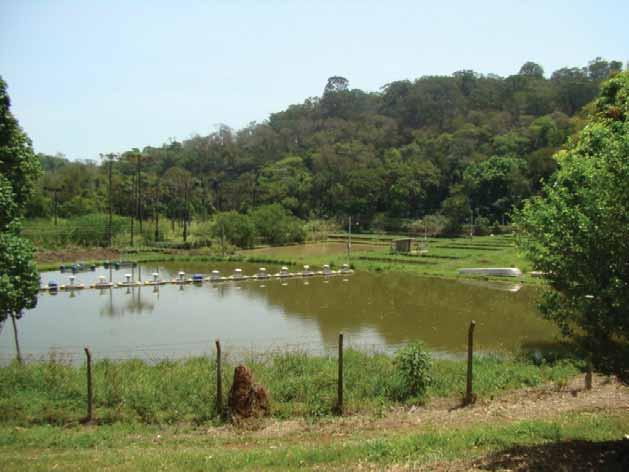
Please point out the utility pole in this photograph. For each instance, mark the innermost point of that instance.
(349, 239)
(471, 222)
(132, 216)
(138, 208)
(185, 214)
(110, 158)
(54, 191)
(156, 196)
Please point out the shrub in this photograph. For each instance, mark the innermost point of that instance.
(412, 373)
(482, 226)
(431, 225)
(237, 229)
(276, 225)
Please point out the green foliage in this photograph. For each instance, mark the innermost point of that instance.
(412, 376)
(235, 227)
(430, 225)
(437, 144)
(300, 385)
(277, 226)
(577, 233)
(93, 229)
(495, 185)
(19, 279)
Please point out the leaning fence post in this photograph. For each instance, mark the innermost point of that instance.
(90, 391)
(339, 404)
(588, 374)
(219, 380)
(470, 355)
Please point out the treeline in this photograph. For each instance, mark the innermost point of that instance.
(452, 147)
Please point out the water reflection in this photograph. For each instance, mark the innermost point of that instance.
(371, 308)
(132, 303)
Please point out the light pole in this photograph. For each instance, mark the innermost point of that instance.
(349, 239)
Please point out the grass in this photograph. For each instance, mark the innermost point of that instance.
(300, 384)
(175, 448)
(443, 259)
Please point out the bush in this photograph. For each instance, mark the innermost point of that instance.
(237, 229)
(482, 226)
(77, 206)
(276, 225)
(432, 225)
(383, 223)
(412, 373)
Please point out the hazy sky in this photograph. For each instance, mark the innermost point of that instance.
(88, 77)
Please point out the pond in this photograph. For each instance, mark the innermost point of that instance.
(374, 310)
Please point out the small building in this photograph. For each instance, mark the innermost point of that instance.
(402, 245)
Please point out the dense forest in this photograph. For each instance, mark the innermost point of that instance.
(447, 148)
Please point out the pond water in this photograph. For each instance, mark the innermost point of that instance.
(374, 310)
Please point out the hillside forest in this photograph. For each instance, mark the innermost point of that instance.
(441, 149)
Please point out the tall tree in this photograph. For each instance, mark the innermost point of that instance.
(576, 233)
(531, 69)
(19, 168)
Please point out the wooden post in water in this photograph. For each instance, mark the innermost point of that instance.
(339, 403)
(18, 353)
(470, 355)
(90, 391)
(219, 381)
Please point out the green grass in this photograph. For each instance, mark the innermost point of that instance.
(175, 448)
(443, 259)
(301, 385)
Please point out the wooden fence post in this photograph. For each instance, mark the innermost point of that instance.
(470, 355)
(339, 404)
(90, 391)
(219, 381)
(588, 374)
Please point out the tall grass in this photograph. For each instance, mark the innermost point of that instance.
(300, 384)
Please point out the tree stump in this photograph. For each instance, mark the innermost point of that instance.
(246, 399)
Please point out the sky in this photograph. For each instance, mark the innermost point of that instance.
(88, 77)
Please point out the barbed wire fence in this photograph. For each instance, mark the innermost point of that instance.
(213, 352)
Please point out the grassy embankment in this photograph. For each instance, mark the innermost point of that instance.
(591, 441)
(443, 258)
(300, 385)
(369, 252)
(152, 415)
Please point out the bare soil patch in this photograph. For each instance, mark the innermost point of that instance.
(77, 254)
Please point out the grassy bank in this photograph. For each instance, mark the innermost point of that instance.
(443, 258)
(300, 385)
(428, 447)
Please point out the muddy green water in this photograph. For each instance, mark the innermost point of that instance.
(374, 310)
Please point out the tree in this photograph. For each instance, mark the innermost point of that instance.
(336, 84)
(531, 69)
(495, 185)
(236, 228)
(276, 225)
(576, 233)
(19, 168)
(288, 182)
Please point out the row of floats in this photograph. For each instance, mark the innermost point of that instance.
(215, 276)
